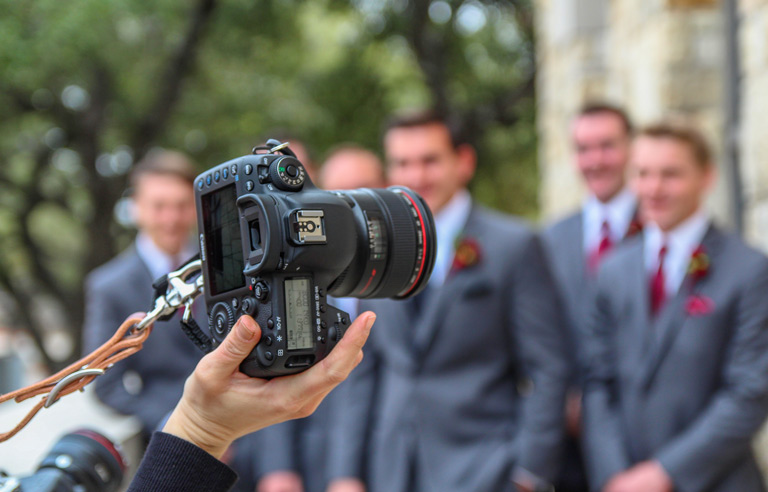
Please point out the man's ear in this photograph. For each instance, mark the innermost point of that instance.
(467, 158)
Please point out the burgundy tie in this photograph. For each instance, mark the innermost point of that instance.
(603, 247)
(658, 294)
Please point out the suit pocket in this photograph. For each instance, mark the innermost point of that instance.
(478, 288)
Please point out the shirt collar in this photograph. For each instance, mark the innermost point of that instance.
(681, 241)
(618, 212)
(158, 261)
(449, 223)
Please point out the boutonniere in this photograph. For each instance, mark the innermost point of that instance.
(698, 268)
(468, 253)
(635, 227)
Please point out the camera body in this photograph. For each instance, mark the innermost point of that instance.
(273, 246)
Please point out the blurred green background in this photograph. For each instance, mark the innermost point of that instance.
(88, 87)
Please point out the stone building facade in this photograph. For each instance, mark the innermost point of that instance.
(660, 59)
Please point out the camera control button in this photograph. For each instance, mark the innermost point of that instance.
(225, 173)
(268, 355)
(208, 180)
(200, 184)
(261, 291)
(343, 320)
(233, 168)
(222, 319)
(249, 185)
(235, 303)
(323, 325)
(248, 169)
(270, 323)
(249, 306)
(267, 340)
(216, 176)
(322, 308)
(292, 171)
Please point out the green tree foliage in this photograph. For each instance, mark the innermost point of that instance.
(88, 87)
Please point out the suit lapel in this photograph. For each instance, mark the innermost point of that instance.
(433, 313)
(673, 315)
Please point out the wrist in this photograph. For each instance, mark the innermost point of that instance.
(184, 426)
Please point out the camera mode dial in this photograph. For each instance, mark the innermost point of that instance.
(287, 173)
(222, 319)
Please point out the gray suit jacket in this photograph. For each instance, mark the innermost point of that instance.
(114, 291)
(472, 388)
(687, 389)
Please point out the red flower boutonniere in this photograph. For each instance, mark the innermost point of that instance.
(467, 254)
(697, 304)
(699, 265)
(635, 227)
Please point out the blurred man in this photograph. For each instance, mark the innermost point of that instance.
(601, 135)
(149, 383)
(350, 166)
(677, 381)
(347, 166)
(462, 387)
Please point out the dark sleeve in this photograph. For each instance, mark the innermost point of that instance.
(350, 436)
(604, 449)
(172, 464)
(721, 436)
(538, 333)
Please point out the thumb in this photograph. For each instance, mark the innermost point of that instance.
(242, 338)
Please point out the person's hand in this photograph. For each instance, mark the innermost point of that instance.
(280, 481)
(220, 403)
(346, 485)
(648, 476)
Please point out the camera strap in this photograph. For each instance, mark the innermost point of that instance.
(128, 340)
(178, 289)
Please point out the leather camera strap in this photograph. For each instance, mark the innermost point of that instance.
(124, 343)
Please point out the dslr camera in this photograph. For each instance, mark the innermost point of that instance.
(82, 461)
(274, 246)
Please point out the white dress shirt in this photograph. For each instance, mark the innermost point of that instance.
(618, 213)
(449, 223)
(158, 261)
(681, 242)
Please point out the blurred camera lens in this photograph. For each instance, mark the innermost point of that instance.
(90, 460)
(397, 245)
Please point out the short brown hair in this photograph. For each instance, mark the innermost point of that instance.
(592, 108)
(164, 162)
(412, 119)
(686, 135)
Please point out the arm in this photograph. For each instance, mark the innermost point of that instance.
(602, 437)
(721, 437)
(221, 404)
(538, 334)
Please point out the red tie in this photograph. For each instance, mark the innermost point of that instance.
(603, 247)
(658, 294)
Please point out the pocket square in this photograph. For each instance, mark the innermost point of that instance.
(697, 305)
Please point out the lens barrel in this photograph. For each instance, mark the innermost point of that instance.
(90, 460)
(397, 245)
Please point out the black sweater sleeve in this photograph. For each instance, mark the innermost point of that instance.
(172, 464)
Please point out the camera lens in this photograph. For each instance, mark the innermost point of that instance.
(397, 245)
(90, 460)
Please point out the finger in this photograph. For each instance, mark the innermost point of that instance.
(241, 339)
(323, 377)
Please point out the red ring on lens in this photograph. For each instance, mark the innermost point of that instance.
(424, 246)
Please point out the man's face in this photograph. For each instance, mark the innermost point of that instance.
(669, 183)
(165, 210)
(602, 145)
(423, 159)
(350, 170)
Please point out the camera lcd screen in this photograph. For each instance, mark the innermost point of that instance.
(298, 319)
(221, 222)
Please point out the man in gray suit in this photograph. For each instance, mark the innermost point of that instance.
(149, 383)
(677, 376)
(601, 135)
(462, 388)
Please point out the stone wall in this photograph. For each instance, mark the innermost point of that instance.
(658, 58)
